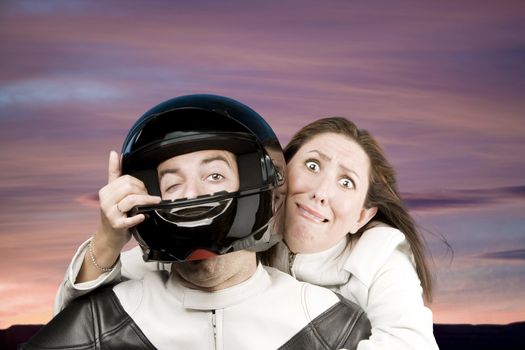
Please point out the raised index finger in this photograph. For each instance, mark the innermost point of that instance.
(113, 166)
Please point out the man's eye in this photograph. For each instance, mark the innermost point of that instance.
(171, 187)
(346, 183)
(215, 177)
(312, 165)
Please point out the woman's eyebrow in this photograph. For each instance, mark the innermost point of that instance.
(327, 158)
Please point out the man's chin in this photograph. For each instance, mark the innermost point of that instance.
(200, 274)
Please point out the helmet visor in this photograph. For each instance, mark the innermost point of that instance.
(194, 214)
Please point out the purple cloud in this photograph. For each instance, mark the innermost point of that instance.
(518, 254)
(51, 91)
(463, 198)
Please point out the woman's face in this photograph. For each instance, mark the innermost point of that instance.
(327, 187)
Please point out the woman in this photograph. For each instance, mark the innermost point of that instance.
(339, 179)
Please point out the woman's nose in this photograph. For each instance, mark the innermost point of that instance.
(321, 190)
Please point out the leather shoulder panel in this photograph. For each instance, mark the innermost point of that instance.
(95, 321)
(343, 325)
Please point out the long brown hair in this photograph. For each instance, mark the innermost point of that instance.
(382, 192)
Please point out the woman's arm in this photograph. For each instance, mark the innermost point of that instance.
(97, 261)
(70, 290)
(129, 266)
(395, 307)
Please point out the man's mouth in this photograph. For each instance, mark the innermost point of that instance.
(311, 214)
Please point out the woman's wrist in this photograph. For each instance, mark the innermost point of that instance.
(104, 253)
(100, 266)
(98, 259)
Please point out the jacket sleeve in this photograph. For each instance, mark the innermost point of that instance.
(129, 266)
(395, 307)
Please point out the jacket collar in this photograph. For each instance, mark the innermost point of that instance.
(201, 300)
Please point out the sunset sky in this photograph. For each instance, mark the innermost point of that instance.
(440, 84)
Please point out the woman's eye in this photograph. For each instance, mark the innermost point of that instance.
(346, 183)
(312, 165)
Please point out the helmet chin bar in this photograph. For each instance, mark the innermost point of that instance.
(260, 241)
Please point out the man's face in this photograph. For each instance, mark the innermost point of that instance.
(198, 173)
(195, 174)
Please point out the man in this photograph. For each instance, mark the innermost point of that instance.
(219, 170)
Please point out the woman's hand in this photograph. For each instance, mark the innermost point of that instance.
(120, 195)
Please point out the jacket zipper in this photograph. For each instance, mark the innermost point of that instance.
(214, 324)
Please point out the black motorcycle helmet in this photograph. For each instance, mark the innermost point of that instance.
(196, 228)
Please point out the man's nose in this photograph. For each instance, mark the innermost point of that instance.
(190, 189)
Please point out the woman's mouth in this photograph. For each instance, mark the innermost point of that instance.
(311, 214)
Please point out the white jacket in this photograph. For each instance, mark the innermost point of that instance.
(378, 273)
(263, 312)
(269, 310)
